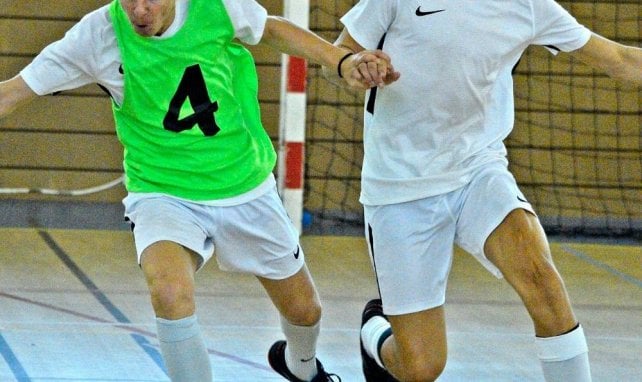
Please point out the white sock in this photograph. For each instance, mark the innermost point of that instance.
(371, 336)
(565, 358)
(183, 349)
(300, 351)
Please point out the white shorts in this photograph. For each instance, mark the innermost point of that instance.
(411, 244)
(255, 237)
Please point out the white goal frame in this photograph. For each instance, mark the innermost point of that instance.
(292, 120)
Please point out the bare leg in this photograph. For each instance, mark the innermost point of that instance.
(295, 297)
(518, 247)
(418, 350)
(169, 270)
(298, 304)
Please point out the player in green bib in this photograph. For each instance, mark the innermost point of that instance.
(199, 136)
(197, 160)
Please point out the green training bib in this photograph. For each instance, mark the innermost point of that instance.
(190, 121)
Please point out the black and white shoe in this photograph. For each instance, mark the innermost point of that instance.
(276, 358)
(371, 369)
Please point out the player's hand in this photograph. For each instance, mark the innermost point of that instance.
(367, 69)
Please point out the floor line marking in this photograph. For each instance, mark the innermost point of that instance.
(128, 327)
(14, 363)
(581, 255)
(153, 353)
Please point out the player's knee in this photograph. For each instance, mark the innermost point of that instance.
(538, 280)
(304, 314)
(534, 268)
(172, 297)
(422, 370)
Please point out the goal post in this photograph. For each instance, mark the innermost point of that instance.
(292, 120)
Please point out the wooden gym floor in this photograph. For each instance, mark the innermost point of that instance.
(74, 307)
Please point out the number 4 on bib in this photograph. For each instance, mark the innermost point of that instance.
(192, 86)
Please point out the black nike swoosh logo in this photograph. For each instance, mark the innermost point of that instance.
(296, 254)
(521, 199)
(420, 13)
(308, 360)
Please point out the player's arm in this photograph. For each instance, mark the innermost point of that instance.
(348, 43)
(14, 93)
(360, 70)
(619, 61)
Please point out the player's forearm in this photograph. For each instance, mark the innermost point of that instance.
(346, 42)
(630, 70)
(290, 39)
(361, 71)
(331, 73)
(621, 62)
(13, 93)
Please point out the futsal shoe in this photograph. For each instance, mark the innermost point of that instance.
(276, 358)
(371, 369)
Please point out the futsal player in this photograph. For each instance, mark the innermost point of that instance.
(435, 173)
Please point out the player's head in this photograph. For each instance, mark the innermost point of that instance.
(150, 17)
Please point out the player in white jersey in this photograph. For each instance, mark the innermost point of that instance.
(132, 48)
(435, 172)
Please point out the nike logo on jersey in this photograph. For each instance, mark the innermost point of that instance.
(420, 13)
(296, 253)
(521, 199)
(308, 360)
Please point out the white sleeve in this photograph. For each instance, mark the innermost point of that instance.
(556, 29)
(369, 20)
(248, 18)
(70, 62)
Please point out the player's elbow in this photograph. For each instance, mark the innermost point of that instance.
(14, 93)
(620, 62)
(628, 65)
(6, 106)
(274, 28)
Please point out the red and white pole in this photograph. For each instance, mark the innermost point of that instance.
(293, 119)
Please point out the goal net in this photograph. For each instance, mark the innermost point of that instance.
(575, 149)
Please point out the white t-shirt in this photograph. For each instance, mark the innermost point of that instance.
(89, 53)
(453, 106)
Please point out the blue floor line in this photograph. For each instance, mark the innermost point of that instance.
(150, 349)
(101, 297)
(14, 364)
(603, 266)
